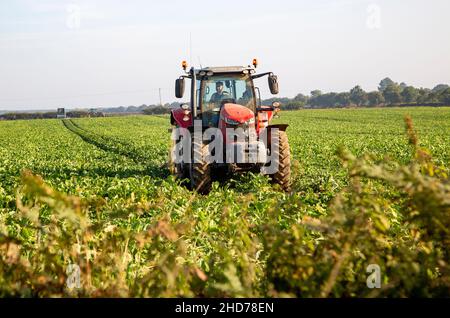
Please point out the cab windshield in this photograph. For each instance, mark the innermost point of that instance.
(219, 90)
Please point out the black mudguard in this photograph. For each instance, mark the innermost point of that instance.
(281, 127)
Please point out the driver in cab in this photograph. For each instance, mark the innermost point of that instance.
(220, 94)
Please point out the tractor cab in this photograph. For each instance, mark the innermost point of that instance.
(218, 90)
(222, 96)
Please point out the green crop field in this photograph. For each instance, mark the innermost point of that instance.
(97, 193)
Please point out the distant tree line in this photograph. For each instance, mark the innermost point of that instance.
(389, 93)
(149, 109)
(48, 115)
(158, 110)
(93, 112)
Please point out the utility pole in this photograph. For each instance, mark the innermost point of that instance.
(160, 98)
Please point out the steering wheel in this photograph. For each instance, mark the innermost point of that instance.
(222, 103)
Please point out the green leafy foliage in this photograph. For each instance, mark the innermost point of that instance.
(96, 193)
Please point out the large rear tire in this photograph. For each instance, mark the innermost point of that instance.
(283, 175)
(200, 171)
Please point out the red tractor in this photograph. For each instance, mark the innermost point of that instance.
(225, 129)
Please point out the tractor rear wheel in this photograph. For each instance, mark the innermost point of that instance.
(283, 175)
(200, 170)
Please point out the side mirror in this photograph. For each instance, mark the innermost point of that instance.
(273, 84)
(179, 87)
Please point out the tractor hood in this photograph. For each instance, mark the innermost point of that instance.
(237, 113)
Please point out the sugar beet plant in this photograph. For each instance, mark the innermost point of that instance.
(93, 197)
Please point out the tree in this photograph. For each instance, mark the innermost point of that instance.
(409, 94)
(445, 97)
(385, 83)
(392, 94)
(282, 100)
(157, 110)
(403, 85)
(439, 88)
(423, 94)
(292, 105)
(316, 93)
(343, 99)
(324, 100)
(358, 96)
(433, 97)
(301, 98)
(375, 98)
(329, 100)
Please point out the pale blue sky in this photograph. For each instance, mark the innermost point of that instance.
(121, 52)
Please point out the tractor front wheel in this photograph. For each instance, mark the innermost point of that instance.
(176, 169)
(283, 175)
(199, 169)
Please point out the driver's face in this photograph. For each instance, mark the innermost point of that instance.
(219, 89)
